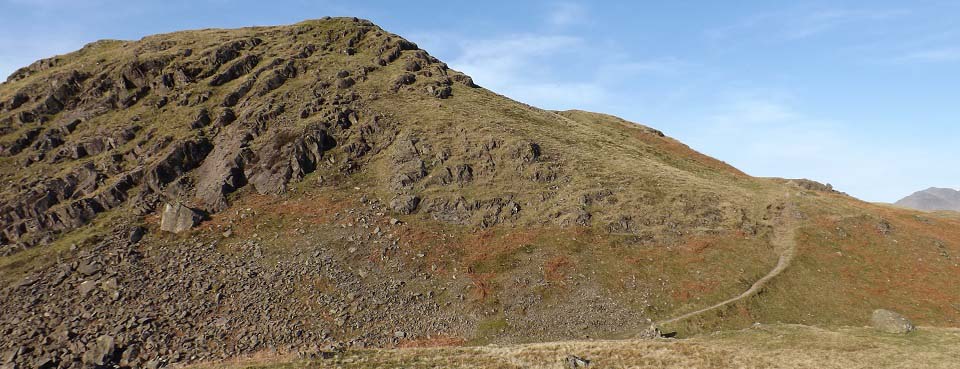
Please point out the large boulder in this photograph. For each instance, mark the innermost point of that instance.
(890, 322)
(177, 218)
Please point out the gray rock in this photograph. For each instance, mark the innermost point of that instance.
(574, 362)
(86, 287)
(890, 322)
(45, 363)
(10, 356)
(137, 234)
(89, 268)
(405, 204)
(177, 218)
(102, 352)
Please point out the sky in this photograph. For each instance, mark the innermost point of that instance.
(864, 95)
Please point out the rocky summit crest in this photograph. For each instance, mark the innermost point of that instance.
(194, 116)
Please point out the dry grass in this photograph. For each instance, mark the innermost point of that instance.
(778, 346)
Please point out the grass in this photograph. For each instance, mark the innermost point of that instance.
(692, 236)
(767, 346)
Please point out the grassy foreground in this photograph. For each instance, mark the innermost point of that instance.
(767, 346)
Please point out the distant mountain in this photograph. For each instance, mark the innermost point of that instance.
(932, 199)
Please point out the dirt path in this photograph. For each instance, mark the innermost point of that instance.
(784, 229)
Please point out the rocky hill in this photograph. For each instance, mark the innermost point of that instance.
(932, 199)
(205, 194)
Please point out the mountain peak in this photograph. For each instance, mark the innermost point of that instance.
(932, 199)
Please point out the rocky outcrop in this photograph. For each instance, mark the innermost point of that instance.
(286, 156)
(182, 146)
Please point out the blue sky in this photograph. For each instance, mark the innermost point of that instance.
(861, 94)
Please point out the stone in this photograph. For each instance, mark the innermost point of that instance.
(89, 268)
(574, 362)
(10, 356)
(102, 352)
(45, 363)
(86, 287)
(129, 356)
(345, 82)
(404, 79)
(177, 218)
(152, 364)
(405, 204)
(110, 285)
(890, 322)
(650, 332)
(440, 92)
(136, 234)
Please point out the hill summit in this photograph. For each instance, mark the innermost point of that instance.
(932, 199)
(205, 194)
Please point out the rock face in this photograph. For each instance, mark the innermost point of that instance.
(890, 322)
(932, 199)
(289, 95)
(177, 218)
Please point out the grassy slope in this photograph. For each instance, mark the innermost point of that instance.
(773, 346)
(904, 269)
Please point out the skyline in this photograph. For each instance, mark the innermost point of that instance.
(856, 94)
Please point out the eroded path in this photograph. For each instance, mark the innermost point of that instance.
(784, 230)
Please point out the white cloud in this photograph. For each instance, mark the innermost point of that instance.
(519, 66)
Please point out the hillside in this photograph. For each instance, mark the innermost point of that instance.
(331, 183)
(932, 199)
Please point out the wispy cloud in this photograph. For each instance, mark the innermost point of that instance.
(939, 55)
(525, 67)
(519, 66)
(567, 13)
(801, 23)
(766, 133)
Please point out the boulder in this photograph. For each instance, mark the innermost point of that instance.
(177, 218)
(890, 322)
(102, 351)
